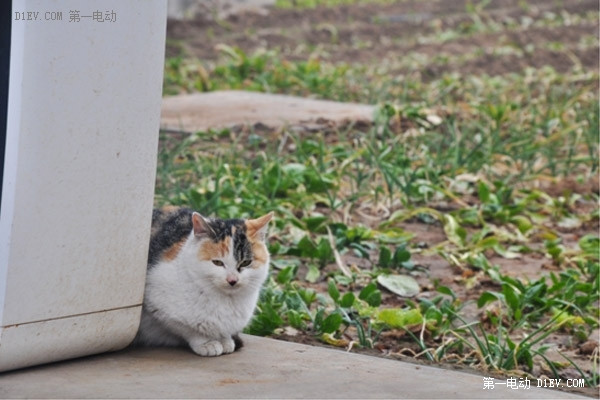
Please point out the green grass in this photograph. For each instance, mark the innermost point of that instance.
(469, 154)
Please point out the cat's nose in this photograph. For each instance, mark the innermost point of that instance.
(232, 281)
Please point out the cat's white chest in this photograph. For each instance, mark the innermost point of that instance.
(197, 303)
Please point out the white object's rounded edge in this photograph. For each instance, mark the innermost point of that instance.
(43, 342)
(13, 124)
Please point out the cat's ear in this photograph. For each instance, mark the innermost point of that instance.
(257, 228)
(201, 226)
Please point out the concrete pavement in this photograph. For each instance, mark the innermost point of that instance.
(264, 368)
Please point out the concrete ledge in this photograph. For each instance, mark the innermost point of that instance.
(264, 368)
(200, 111)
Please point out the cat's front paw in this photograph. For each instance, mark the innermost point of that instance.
(212, 348)
(228, 345)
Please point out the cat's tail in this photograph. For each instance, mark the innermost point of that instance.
(237, 340)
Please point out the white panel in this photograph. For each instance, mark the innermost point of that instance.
(83, 118)
(42, 342)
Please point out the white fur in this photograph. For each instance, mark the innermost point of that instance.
(188, 301)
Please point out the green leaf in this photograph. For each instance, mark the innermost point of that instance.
(313, 273)
(343, 279)
(590, 245)
(402, 285)
(331, 323)
(347, 300)
(447, 291)
(527, 358)
(307, 247)
(511, 344)
(308, 295)
(523, 223)
(314, 224)
(332, 340)
(401, 255)
(324, 251)
(564, 318)
(487, 243)
(334, 293)
(371, 295)
(506, 253)
(275, 248)
(397, 318)
(279, 263)
(434, 315)
(359, 233)
(294, 301)
(265, 321)
(554, 248)
(518, 314)
(393, 236)
(488, 297)
(287, 274)
(511, 297)
(360, 250)
(385, 257)
(295, 319)
(318, 320)
(454, 232)
(317, 183)
(483, 192)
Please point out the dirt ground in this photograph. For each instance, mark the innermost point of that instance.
(370, 33)
(367, 33)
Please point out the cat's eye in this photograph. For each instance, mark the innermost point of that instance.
(218, 263)
(244, 264)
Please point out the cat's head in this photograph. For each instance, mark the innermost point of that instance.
(231, 253)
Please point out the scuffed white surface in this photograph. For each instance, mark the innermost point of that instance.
(86, 334)
(82, 136)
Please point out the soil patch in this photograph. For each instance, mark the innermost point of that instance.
(367, 33)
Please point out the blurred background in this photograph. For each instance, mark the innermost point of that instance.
(376, 45)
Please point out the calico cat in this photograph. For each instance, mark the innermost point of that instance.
(203, 280)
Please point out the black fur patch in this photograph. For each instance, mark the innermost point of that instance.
(168, 228)
(242, 249)
(239, 343)
(221, 228)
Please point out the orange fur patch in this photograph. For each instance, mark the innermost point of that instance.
(210, 250)
(254, 225)
(251, 230)
(169, 209)
(259, 251)
(172, 251)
